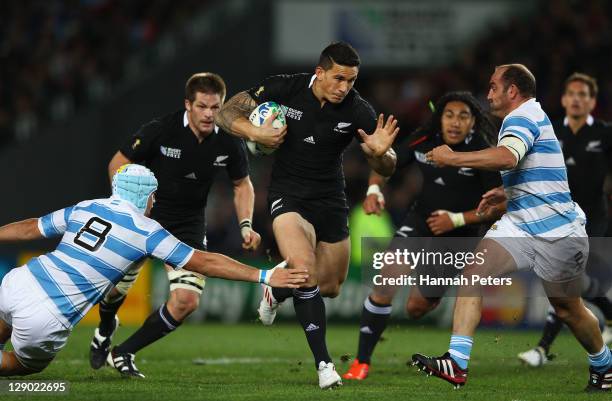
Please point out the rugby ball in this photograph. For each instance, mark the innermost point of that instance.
(258, 117)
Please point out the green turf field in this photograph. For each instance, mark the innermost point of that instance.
(251, 362)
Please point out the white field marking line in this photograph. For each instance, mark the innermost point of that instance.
(200, 361)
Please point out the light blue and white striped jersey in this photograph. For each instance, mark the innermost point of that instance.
(539, 199)
(102, 239)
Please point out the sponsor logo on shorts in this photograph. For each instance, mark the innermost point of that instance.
(191, 176)
(276, 205)
(466, 171)
(403, 230)
(310, 140)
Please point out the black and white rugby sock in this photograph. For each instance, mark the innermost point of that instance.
(374, 318)
(108, 310)
(310, 311)
(157, 325)
(551, 330)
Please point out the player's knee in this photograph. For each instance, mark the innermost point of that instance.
(312, 280)
(330, 290)
(183, 303)
(306, 262)
(416, 308)
(381, 299)
(564, 311)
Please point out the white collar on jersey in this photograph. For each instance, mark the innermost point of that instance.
(312, 80)
(590, 120)
(126, 203)
(186, 122)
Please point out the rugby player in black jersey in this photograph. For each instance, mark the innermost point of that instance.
(324, 114)
(185, 150)
(444, 207)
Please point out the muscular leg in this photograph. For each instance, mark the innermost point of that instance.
(468, 306)
(581, 321)
(296, 241)
(418, 306)
(332, 260)
(374, 317)
(585, 327)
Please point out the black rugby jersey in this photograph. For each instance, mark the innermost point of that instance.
(588, 156)
(308, 164)
(456, 189)
(184, 168)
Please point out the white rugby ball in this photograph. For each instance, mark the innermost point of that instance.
(258, 117)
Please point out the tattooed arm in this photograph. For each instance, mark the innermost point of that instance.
(234, 118)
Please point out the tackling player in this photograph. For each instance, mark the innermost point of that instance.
(588, 156)
(102, 239)
(543, 228)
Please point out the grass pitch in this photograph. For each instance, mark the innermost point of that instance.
(252, 362)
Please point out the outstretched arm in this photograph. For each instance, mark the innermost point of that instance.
(216, 265)
(24, 230)
(234, 118)
(377, 146)
(498, 158)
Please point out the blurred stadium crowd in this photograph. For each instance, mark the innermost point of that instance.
(57, 57)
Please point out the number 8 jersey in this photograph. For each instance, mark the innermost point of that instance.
(102, 240)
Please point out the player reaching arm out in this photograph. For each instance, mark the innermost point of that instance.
(377, 146)
(209, 264)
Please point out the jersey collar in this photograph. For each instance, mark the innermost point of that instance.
(312, 80)
(590, 120)
(186, 122)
